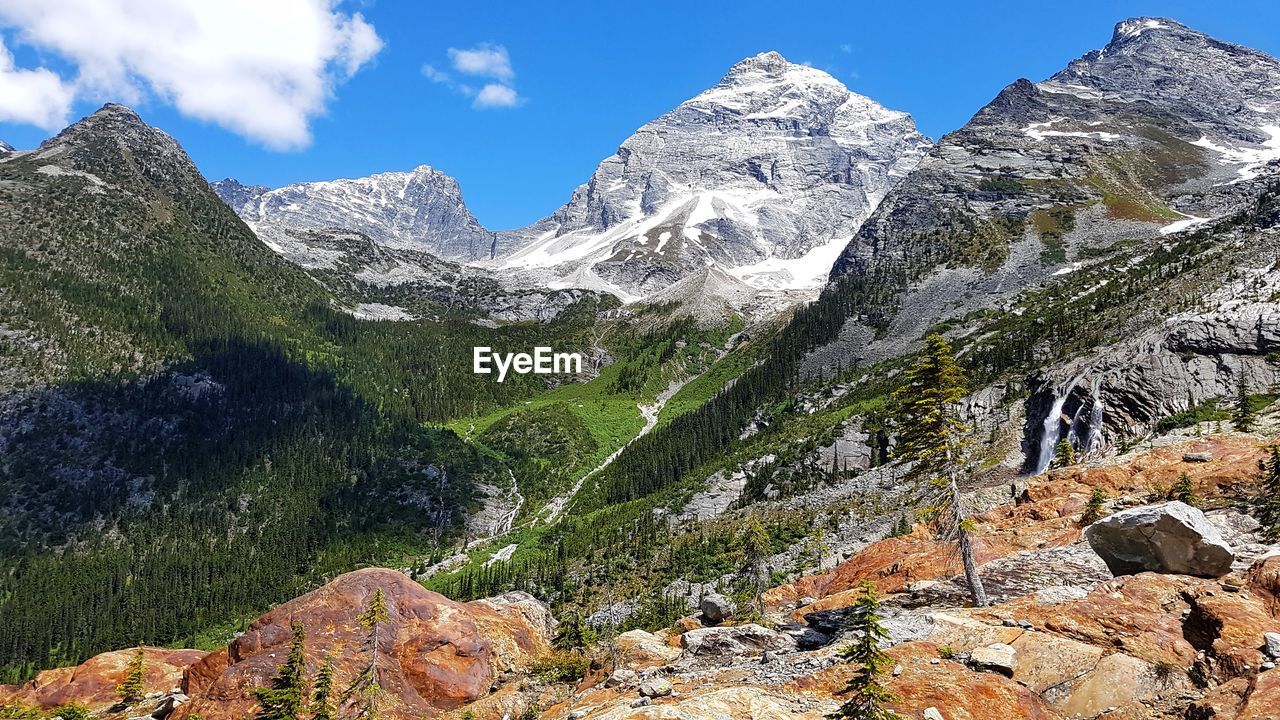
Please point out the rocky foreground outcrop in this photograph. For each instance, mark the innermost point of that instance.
(93, 683)
(1065, 639)
(435, 654)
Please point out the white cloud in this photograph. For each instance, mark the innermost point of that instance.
(485, 59)
(32, 97)
(260, 68)
(436, 75)
(496, 95)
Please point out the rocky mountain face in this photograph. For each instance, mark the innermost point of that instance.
(417, 210)
(1161, 130)
(1152, 134)
(760, 180)
(1162, 133)
(1194, 358)
(760, 177)
(5, 147)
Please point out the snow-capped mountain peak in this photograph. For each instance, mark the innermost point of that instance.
(756, 176)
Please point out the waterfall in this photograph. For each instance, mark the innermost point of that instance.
(1094, 440)
(1084, 435)
(1052, 430)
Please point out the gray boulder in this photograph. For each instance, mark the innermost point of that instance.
(716, 608)
(999, 658)
(1172, 537)
(655, 687)
(736, 641)
(1272, 645)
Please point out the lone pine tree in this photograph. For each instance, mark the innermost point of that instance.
(932, 437)
(867, 696)
(1242, 415)
(133, 687)
(1267, 503)
(286, 696)
(755, 548)
(365, 694)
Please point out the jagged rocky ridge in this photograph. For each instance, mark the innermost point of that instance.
(1152, 133)
(421, 209)
(384, 282)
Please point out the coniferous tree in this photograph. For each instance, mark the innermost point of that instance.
(755, 548)
(1242, 415)
(1267, 504)
(1093, 510)
(1183, 490)
(365, 693)
(134, 686)
(286, 697)
(574, 632)
(867, 696)
(322, 694)
(1064, 455)
(933, 438)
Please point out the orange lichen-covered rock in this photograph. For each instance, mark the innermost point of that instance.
(1263, 701)
(433, 653)
(1232, 626)
(1047, 516)
(925, 681)
(1264, 580)
(93, 683)
(1140, 615)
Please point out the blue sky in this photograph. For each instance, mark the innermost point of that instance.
(573, 83)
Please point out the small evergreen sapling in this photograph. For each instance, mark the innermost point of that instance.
(1093, 510)
(286, 697)
(1064, 455)
(322, 694)
(867, 696)
(1267, 504)
(133, 687)
(1183, 491)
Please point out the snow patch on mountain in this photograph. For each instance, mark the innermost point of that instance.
(1250, 159)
